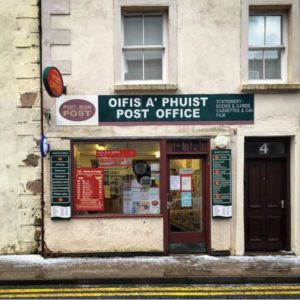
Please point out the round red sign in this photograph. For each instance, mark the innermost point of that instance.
(53, 82)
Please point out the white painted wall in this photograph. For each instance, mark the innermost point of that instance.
(105, 235)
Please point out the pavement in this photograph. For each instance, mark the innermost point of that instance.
(200, 269)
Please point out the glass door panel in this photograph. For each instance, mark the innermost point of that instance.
(185, 195)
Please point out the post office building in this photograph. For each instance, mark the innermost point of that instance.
(173, 125)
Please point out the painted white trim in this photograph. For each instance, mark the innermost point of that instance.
(238, 197)
(294, 192)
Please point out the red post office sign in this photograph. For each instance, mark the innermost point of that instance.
(53, 82)
(89, 189)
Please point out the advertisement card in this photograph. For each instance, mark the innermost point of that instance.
(175, 183)
(186, 199)
(186, 183)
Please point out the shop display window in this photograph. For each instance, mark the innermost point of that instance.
(116, 177)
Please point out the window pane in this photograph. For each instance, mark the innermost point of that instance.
(256, 30)
(153, 64)
(133, 31)
(255, 64)
(186, 199)
(130, 173)
(272, 64)
(133, 64)
(273, 30)
(153, 30)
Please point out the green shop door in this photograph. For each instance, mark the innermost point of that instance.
(187, 204)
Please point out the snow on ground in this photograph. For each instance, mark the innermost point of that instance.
(116, 260)
(39, 260)
(159, 260)
(24, 259)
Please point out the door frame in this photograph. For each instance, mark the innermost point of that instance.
(286, 158)
(202, 153)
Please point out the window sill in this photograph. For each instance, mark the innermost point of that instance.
(271, 88)
(115, 216)
(145, 87)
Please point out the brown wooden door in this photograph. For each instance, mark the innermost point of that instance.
(265, 204)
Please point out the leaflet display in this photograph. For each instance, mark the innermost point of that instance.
(60, 184)
(221, 183)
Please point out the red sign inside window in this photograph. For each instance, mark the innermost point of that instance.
(106, 162)
(116, 153)
(89, 189)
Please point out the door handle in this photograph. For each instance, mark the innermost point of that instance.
(169, 205)
(169, 201)
(282, 203)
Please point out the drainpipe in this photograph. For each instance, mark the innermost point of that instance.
(42, 130)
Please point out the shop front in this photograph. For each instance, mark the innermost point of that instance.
(139, 194)
(164, 179)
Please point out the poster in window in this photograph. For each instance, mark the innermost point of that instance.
(143, 207)
(154, 201)
(186, 183)
(174, 183)
(127, 206)
(89, 189)
(186, 199)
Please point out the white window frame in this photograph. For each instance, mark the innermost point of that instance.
(169, 9)
(283, 48)
(164, 47)
(292, 9)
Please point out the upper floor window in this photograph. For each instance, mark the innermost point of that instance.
(145, 45)
(267, 47)
(144, 49)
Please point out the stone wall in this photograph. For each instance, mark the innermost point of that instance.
(20, 163)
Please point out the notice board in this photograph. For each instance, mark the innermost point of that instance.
(221, 183)
(60, 184)
(89, 189)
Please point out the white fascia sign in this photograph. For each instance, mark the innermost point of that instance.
(77, 110)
